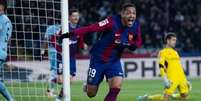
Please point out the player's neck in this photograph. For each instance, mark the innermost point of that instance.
(168, 46)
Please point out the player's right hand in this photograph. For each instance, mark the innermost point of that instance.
(65, 35)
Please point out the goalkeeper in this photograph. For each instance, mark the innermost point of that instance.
(5, 34)
(172, 73)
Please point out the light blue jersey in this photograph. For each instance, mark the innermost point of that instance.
(5, 34)
(52, 52)
(51, 30)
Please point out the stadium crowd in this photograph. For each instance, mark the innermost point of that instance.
(157, 17)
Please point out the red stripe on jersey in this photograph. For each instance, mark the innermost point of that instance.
(108, 51)
(54, 43)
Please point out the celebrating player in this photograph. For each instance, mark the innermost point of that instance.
(117, 33)
(5, 34)
(73, 24)
(172, 73)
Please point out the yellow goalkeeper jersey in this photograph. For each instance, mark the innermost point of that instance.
(170, 65)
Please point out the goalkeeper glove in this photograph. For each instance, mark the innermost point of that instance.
(189, 85)
(167, 83)
(66, 35)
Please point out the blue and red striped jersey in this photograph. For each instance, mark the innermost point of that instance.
(106, 49)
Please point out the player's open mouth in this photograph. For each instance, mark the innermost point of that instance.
(130, 21)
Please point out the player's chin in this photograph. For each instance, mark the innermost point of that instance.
(129, 24)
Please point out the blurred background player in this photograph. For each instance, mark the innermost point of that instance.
(172, 73)
(117, 33)
(5, 34)
(52, 56)
(73, 24)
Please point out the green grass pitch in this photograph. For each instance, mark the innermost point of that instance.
(130, 90)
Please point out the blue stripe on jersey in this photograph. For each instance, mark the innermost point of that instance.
(104, 49)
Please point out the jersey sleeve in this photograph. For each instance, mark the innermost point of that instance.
(161, 60)
(96, 27)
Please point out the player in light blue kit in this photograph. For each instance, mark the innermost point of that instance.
(74, 16)
(5, 34)
(52, 55)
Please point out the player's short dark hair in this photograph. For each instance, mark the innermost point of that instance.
(169, 36)
(71, 11)
(4, 3)
(126, 5)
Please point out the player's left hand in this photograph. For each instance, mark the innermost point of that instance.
(131, 47)
(167, 83)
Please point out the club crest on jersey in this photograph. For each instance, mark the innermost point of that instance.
(117, 38)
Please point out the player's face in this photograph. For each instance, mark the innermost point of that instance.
(74, 17)
(1, 9)
(128, 16)
(172, 42)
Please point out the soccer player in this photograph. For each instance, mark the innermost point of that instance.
(52, 55)
(118, 32)
(5, 34)
(73, 24)
(172, 73)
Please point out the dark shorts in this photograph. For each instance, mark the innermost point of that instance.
(72, 66)
(97, 71)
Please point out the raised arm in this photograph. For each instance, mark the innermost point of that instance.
(96, 27)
